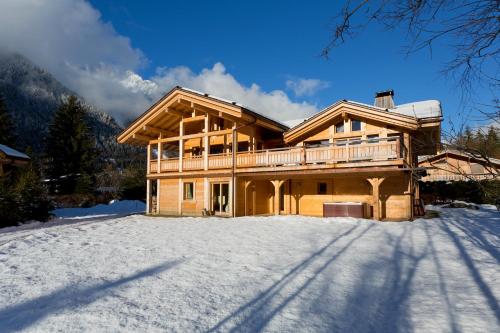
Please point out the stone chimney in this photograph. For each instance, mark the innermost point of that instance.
(384, 99)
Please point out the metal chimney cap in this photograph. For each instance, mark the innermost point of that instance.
(389, 92)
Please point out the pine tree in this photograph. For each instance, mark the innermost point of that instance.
(33, 201)
(6, 126)
(70, 148)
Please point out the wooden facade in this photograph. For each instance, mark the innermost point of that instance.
(458, 166)
(207, 155)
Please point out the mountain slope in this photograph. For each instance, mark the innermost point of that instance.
(32, 95)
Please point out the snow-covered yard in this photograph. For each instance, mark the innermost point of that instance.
(273, 274)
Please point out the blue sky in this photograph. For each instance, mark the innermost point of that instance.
(122, 55)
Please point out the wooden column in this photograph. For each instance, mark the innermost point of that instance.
(376, 182)
(148, 153)
(181, 143)
(181, 189)
(406, 143)
(206, 142)
(159, 153)
(148, 196)
(158, 195)
(234, 150)
(276, 205)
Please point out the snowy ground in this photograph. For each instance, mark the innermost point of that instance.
(273, 274)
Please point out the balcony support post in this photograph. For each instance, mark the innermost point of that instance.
(148, 153)
(206, 142)
(160, 153)
(181, 143)
(376, 182)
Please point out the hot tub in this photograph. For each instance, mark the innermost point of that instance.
(344, 209)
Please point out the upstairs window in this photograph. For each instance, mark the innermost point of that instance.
(372, 138)
(339, 127)
(355, 141)
(355, 125)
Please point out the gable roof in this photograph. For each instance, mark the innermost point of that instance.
(12, 153)
(457, 155)
(164, 114)
(361, 110)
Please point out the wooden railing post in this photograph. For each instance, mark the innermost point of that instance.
(148, 153)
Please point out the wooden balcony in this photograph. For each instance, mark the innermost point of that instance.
(362, 152)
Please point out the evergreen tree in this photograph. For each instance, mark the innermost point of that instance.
(70, 149)
(6, 125)
(33, 200)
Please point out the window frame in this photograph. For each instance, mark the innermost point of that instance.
(319, 188)
(184, 198)
(337, 126)
(356, 121)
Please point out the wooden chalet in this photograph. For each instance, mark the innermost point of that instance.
(9, 157)
(453, 165)
(208, 155)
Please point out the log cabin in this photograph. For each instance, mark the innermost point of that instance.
(209, 155)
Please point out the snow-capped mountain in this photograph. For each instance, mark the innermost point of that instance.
(32, 95)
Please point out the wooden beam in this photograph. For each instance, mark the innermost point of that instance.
(194, 136)
(174, 112)
(141, 137)
(158, 131)
(194, 118)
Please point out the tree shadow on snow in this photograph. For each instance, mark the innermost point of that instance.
(469, 261)
(379, 300)
(23, 315)
(255, 315)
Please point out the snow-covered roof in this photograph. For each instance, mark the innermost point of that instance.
(294, 122)
(423, 109)
(10, 152)
(458, 153)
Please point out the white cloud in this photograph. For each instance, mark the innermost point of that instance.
(306, 87)
(217, 81)
(70, 40)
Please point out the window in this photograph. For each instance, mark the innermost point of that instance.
(317, 143)
(322, 188)
(339, 127)
(355, 125)
(393, 137)
(355, 141)
(188, 191)
(340, 142)
(216, 149)
(372, 138)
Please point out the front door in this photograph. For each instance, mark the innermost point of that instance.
(220, 198)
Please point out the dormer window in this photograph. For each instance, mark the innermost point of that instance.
(339, 127)
(355, 125)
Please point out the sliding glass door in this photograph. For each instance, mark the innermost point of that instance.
(220, 198)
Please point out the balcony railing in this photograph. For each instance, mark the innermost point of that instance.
(359, 151)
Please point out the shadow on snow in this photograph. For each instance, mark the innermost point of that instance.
(23, 315)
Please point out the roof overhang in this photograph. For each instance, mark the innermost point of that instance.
(459, 156)
(345, 109)
(163, 117)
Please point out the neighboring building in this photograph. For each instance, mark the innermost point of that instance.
(10, 157)
(347, 153)
(453, 165)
